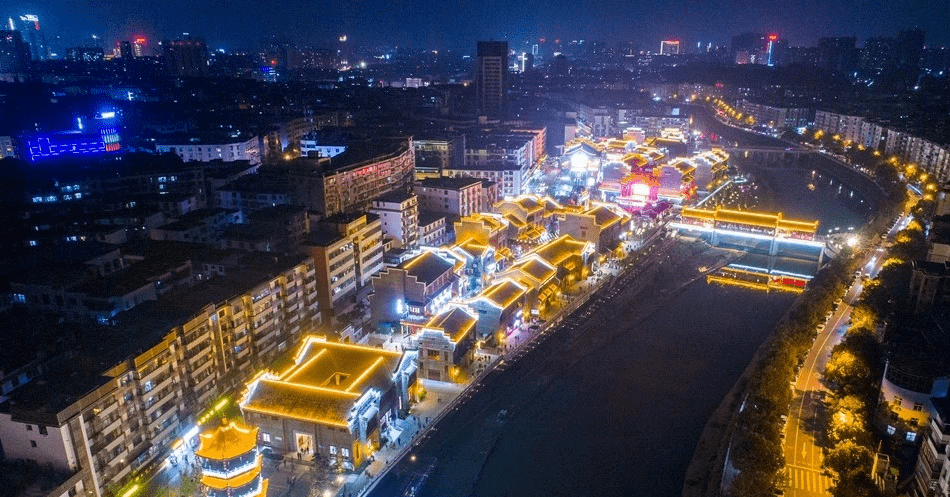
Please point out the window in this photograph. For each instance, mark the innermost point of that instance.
(32, 443)
(897, 401)
(43, 431)
(29, 427)
(918, 406)
(891, 430)
(345, 452)
(266, 437)
(333, 449)
(911, 436)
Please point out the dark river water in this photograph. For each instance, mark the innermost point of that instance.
(624, 418)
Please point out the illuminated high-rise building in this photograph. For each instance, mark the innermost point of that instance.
(14, 53)
(491, 78)
(188, 57)
(30, 27)
(670, 47)
(125, 49)
(138, 46)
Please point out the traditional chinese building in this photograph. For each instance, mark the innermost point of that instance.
(230, 462)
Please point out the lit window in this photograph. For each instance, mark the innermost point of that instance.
(891, 430)
(911, 436)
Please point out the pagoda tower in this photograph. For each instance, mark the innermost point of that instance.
(230, 462)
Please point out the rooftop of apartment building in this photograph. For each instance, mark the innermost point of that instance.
(359, 152)
(427, 218)
(507, 141)
(395, 197)
(276, 214)
(196, 218)
(322, 237)
(492, 165)
(268, 181)
(345, 218)
(446, 183)
(89, 351)
(223, 137)
(130, 164)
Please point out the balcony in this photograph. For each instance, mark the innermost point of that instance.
(105, 425)
(150, 374)
(152, 426)
(197, 373)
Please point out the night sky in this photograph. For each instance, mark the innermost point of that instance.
(456, 24)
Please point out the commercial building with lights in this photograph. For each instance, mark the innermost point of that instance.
(446, 344)
(48, 146)
(600, 225)
(500, 307)
(118, 401)
(334, 401)
(484, 228)
(405, 296)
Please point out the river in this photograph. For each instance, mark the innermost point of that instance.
(618, 413)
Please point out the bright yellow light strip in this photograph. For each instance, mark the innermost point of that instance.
(363, 348)
(366, 373)
(220, 405)
(274, 412)
(131, 490)
(294, 371)
(325, 390)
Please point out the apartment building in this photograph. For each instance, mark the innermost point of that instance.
(365, 232)
(119, 399)
(398, 213)
(509, 177)
(210, 148)
(433, 154)
(460, 196)
(349, 181)
(431, 229)
(932, 474)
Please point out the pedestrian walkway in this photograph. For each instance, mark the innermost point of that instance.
(404, 431)
(808, 480)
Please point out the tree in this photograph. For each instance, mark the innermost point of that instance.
(852, 463)
(863, 320)
(848, 460)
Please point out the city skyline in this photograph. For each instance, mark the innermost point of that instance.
(433, 25)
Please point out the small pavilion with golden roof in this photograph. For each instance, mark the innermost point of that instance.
(230, 462)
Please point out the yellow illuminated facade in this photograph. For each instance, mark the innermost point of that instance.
(332, 401)
(772, 224)
(230, 463)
